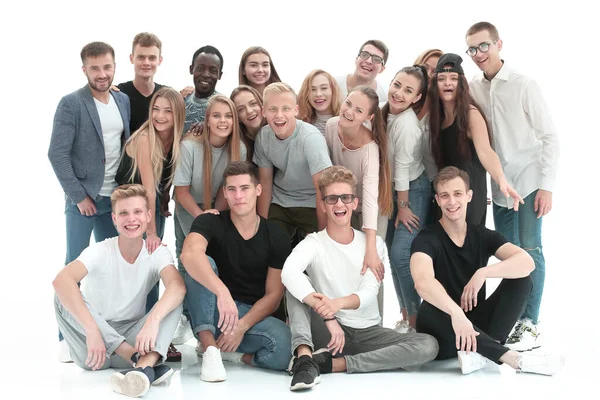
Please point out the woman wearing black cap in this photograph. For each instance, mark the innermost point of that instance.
(460, 137)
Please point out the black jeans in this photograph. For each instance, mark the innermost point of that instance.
(493, 319)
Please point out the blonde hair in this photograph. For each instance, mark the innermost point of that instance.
(157, 156)
(336, 174)
(279, 87)
(306, 112)
(126, 191)
(232, 143)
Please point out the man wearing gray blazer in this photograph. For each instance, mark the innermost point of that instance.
(90, 127)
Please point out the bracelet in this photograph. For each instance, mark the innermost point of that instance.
(329, 319)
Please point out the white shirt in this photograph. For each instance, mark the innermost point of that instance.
(428, 160)
(116, 289)
(112, 129)
(334, 270)
(524, 136)
(382, 92)
(405, 140)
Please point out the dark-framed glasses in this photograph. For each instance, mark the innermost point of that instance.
(365, 56)
(483, 47)
(333, 198)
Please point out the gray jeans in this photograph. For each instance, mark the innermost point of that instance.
(114, 333)
(366, 350)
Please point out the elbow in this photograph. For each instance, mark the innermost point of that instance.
(420, 285)
(285, 278)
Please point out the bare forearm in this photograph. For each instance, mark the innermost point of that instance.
(264, 202)
(187, 201)
(371, 235)
(173, 297)
(491, 163)
(151, 194)
(432, 291)
(199, 268)
(351, 302)
(70, 297)
(402, 195)
(261, 310)
(517, 266)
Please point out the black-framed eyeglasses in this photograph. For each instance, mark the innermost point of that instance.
(365, 55)
(333, 198)
(483, 47)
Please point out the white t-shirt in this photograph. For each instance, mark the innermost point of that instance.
(116, 289)
(334, 270)
(112, 129)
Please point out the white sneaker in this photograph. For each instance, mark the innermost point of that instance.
(404, 327)
(232, 357)
(524, 337)
(213, 369)
(183, 333)
(544, 364)
(64, 354)
(471, 362)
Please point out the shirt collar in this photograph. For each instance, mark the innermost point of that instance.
(502, 74)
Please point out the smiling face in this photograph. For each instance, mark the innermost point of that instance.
(447, 83)
(249, 110)
(258, 69)
(99, 71)
(490, 61)
(453, 197)
(280, 110)
(131, 216)
(220, 123)
(206, 71)
(367, 69)
(241, 194)
(162, 115)
(355, 110)
(320, 94)
(145, 60)
(403, 92)
(339, 213)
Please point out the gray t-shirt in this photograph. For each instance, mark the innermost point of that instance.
(295, 160)
(190, 172)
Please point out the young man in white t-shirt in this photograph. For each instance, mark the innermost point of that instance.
(334, 306)
(105, 323)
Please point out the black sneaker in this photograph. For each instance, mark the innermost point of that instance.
(324, 360)
(306, 373)
(134, 382)
(162, 372)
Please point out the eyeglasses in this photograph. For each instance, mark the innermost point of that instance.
(365, 55)
(333, 198)
(483, 47)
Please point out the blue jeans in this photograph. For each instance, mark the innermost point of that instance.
(160, 219)
(179, 239)
(400, 239)
(524, 229)
(270, 340)
(80, 228)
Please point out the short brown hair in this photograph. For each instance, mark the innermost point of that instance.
(146, 39)
(241, 168)
(127, 191)
(484, 26)
(96, 49)
(336, 174)
(447, 174)
(380, 45)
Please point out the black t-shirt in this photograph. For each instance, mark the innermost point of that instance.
(454, 266)
(140, 104)
(243, 264)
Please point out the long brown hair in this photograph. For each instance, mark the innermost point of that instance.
(380, 138)
(419, 72)
(243, 79)
(247, 137)
(306, 112)
(464, 102)
(232, 143)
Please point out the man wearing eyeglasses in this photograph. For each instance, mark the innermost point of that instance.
(370, 62)
(332, 307)
(527, 144)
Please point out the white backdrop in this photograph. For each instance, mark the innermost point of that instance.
(41, 63)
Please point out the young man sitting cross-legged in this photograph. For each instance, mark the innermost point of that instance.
(448, 266)
(335, 307)
(105, 323)
(233, 261)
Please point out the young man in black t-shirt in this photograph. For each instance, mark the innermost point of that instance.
(233, 261)
(449, 268)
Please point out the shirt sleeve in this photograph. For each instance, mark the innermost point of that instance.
(207, 225)
(260, 157)
(406, 138)
(279, 243)
(243, 151)
(368, 287)
(538, 115)
(183, 171)
(162, 258)
(316, 152)
(493, 240)
(292, 275)
(91, 257)
(425, 242)
(370, 187)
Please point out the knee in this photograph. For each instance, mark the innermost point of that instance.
(428, 347)
(282, 350)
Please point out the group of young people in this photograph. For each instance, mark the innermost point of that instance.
(290, 207)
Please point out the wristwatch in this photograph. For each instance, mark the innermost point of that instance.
(403, 204)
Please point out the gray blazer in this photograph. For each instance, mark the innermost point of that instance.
(77, 146)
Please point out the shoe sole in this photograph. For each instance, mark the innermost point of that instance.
(304, 386)
(537, 346)
(163, 378)
(217, 379)
(133, 384)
